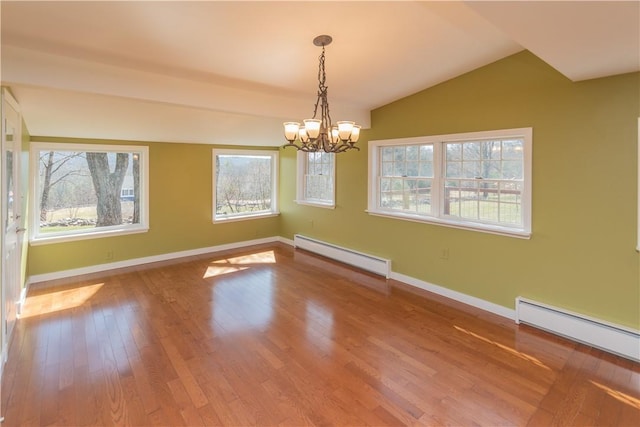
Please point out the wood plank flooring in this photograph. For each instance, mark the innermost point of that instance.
(276, 336)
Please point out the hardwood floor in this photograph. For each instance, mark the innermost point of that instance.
(273, 336)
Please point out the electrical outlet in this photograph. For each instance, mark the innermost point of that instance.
(444, 254)
(109, 255)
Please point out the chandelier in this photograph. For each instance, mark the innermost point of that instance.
(319, 134)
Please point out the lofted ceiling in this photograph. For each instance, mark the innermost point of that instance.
(230, 72)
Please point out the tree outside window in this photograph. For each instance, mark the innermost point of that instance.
(82, 190)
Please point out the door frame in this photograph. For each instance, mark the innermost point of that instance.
(5, 339)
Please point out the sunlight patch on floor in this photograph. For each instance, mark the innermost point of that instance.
(505, 348)
(618, 395)
(231, 265)
(219, 270)
(60, 300)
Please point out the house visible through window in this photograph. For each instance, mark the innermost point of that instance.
(127, 194)
(478, 180)
(244, 184)
(87, 191)
(316, 179)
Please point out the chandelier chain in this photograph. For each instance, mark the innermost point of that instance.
(322, 99)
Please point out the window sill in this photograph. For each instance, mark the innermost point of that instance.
(483, 228)
(245, 217)
(316, 204)
(44, 240)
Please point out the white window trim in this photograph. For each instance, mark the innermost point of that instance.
(300, 186)
(275, 156)
(36, 239)
(438, 141)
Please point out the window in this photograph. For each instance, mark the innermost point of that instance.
(245, 184)
(316, 179)
(479, 180)
(127, 194)
(82, 191)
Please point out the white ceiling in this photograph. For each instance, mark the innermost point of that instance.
(231, 72)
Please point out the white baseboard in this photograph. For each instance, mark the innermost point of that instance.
(146, 260)
(286, 241)
(598, 333)
(361, 260)
(606, 336)
(23, 298)
(456, 296)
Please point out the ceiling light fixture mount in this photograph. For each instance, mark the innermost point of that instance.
(319, 134)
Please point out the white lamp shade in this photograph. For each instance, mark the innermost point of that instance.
(355, 133)
(302, 134)
(291, 130)
(344, 130)
(334, 135)
(313, 127)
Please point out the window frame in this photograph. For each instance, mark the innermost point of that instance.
(37, 238)
(301, 182)
(275, 161)
(437, 196)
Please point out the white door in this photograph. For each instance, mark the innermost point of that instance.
(10, 203)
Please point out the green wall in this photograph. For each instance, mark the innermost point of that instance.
(582, 252)
(581, 255)
(180, 213)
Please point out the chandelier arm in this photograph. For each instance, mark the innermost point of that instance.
(331, 148)
(348, 146)
(342, 148)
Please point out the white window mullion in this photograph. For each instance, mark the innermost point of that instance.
(526, 194)
(373, 178)
(437, 186)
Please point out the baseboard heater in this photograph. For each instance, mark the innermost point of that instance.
(367, 262)
(594, 332)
